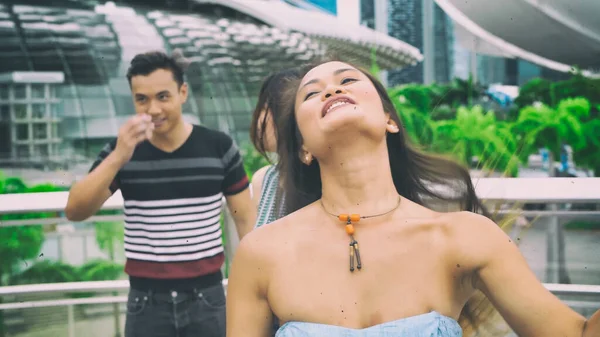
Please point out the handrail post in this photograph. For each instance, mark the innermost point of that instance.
(556, 270)
(71, 320)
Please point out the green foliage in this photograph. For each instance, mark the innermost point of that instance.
(543, 126)
(474, 133)
(374, 70)
(99, 270)
(20, 243)
(552, 93)
(108, 235)
(253, 160)
(46, 271)
(582, 225)
(417, 125)
(536, 90)
(547, 115)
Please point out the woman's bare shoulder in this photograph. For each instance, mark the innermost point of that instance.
(266, 239)
(471, 236)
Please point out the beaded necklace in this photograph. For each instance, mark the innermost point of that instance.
(349, 219)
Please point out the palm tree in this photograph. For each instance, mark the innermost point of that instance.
(474, 133)
(539, 126)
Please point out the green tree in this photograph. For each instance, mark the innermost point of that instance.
(417, 124)
(46, 271)
(588, 155)
(100, 270)
(474, 133)
(540, 125)
(109, 236)
(19, 244)
(253, 160)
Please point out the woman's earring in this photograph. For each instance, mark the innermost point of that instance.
(308, 158)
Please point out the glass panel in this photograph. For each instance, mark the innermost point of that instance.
(3, 92)
(38, 91)
(96, 106)
(22, 131)
(41, 150)
(189, 108)
(23, 151)
(56, 109)
(69, 107)
(40, 131)
(4, 113)
(38, 111)
(54, 129)
(20, 111)
(123, 105)
(52, 91)
(19, 92)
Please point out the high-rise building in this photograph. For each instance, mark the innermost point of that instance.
(406, 24)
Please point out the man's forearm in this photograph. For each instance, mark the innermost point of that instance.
(88, 195)
(243, 227)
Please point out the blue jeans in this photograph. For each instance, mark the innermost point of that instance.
(200, 312)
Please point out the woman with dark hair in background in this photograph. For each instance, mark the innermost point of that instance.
(266, 189)
(351, 177)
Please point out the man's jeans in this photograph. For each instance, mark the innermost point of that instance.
(197, 313)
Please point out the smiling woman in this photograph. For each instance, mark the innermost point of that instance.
(349, 173)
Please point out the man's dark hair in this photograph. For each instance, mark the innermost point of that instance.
(146, 63)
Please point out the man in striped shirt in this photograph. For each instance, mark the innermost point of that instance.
(173, 176)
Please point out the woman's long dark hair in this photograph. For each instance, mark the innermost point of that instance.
(426, 179)
(418, 176)
(271, 99)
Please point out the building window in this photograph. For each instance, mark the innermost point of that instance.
(20, 111)
(41, 150)
(4, 113)
(40, 131)
(23, 151)
(22, 131)
(54, 129)
(20, 92)
(4, 92)
(38, 111)
(38, 91)
(55, 110)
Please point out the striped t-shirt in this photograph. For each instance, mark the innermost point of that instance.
(173, 203)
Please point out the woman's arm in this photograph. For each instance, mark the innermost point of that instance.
(248, 311)
(503, 275)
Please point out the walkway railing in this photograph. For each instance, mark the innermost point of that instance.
(554, 192)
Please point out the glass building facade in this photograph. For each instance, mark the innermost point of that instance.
(92, 45)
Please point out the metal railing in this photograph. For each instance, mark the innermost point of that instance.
(555, 192)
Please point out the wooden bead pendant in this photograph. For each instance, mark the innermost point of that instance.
(354, 251)
(349, 219)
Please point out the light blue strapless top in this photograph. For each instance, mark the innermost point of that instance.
(432, 324)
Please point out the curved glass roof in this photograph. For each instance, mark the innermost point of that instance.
(354, 42)
(556, 34)
(232, 50)
(93, 47)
